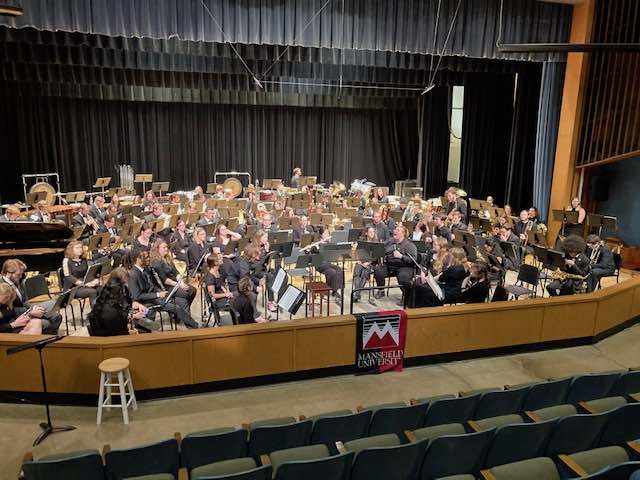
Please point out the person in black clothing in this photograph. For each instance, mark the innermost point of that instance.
(363, 270)
(110, 315)
(450, 280)
(602, 261)
(180, 241)
(244, 304)
(143, 242)
(74, 269)
(456, 203)
(198, 249)
(12, 321)
(84, 219)
(523, 226)
(475, 287)
(382, 231)
(162, 262)
(576, 263)
(456, 222)
(304, 228)
(400, 254)
(214, 282)
(441, 229)
(144, 288)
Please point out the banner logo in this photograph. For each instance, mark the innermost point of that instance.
(380, 340)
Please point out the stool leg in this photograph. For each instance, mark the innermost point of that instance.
(101, 398)
(123, 398)
(109, 380)
(134, 402)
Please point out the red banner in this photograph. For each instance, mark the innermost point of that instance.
(380, 340)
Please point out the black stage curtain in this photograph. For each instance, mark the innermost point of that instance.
(522, 151)
(187, 143)
(436, 108)
(486, 134)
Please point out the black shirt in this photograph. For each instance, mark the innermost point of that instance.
(244, 306)
(73, 271)
(215, 282)
(195, 253)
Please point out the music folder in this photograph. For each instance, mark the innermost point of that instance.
(291, 299)
(93, 272)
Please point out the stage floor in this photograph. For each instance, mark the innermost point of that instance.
(159, 419)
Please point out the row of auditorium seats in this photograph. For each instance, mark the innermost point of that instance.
(431, 438)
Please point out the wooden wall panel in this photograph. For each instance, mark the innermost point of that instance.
(325, 347)
(635, 306)
(568, 321)
(436, 334)
(20, 372)
(613, 309)
(73, 368)
(503, 327)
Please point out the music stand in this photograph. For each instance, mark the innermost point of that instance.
(143, 178)
(211, 188)
(159, 187)
(33, 198)
(308, 239)
(355, 234)
(47, 427)
(421, 246)
(565, 216)
(280, 236)
(102, 183)
(291, 300)
(556, 259)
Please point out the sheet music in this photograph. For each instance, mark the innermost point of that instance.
(278, 281)
(289, 298)
(435, 287)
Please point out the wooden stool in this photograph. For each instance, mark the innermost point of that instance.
(109, 368)
(317, 290)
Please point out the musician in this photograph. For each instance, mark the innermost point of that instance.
(245, 303)
(363, 270)
(506, 234)
(452, 274)
(41, 214)
(533, 215)
(440, 229)
(179, 241)
(454, 202)
(382, 231)
(13, 271)
(576, 228)
(379, 196)
(576, 263)
(110, 314)
(246, 265)
(602, 261)
(157, 213)
(494, 255)
(295, 179)
(259, 267)
(211, 216)
(84, 219)
(266, 223)
(109, 226)
(523, 226)
(215, 283)
(145, 288)
(439, 248)
(149, 200)
(387, 219)
(198, 194)
(398, 262)
(219, 193)
(508, 213)
(198, 249)
(74, 269)
(457, 225)
(161, 260)
(143, 241)
(419, 232)
(97, 210)
(11, 214)
(476, 286)
(115, 203)
(12, 321)
(304, 228)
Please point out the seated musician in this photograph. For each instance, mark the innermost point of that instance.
(149, 200)
(260, 266)
(457, 225)
(11, 214)
(219, 193)
(245, 303)
(115, 203)
(161, 260)
(440, 228)
(109, 226)
(577, 264)
(379, 195)
(74, 269)
(454, 202)
(143, 241)
(506, 234)
(41, 214)
(12, 321)
(419, 232)
(387, 219)
(83, 219)
(439, 248)
(222, 236)
(452, 272)
(198, 250)
(198, 194)
(266, 223)
(381, 228)
(363, 270)
(13, 272)
(400, 254)
(486, 211)
(602, 261)
(295, 178)
(215, 283)
(145, 288)
(114, 312)
(97, 210)
(157, 213)
(303, 229)
(179, 241)
(491, 251)
(475, 287)
(508, 212)
(245, 266)
(210, 217)
(533, 215)
(523, 226)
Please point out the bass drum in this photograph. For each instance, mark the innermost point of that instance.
(45, 188)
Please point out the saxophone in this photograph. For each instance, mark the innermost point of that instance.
(562, 276)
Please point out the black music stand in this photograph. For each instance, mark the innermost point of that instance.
(340, 252)
(47, 427)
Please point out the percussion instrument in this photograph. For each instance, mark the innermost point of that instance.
(234, 185)
(46, 188)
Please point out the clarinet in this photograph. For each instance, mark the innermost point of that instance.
(157, 279)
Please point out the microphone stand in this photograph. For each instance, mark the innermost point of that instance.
(47, 427)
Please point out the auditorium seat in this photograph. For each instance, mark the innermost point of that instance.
(443, 457)
(617, 472)
(156, 458)
(627, 384)
(494, 422)
(342, 425)
(209, 446)
(531, 469)
(452, 410)
(313, 462)
(502, 402)
(622, 426)
(555, 411)
(592, 386)
(576, 433)
(546, 394)
(396, 419)
(273, 434)
(592, 461)
(603, 404)
(236, 469)
(429, 433)
(388, 440)
(80, 464)
(513, 443)
(399, 462)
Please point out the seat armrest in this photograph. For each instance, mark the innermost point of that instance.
(635, 446)
(183, 474)
(533, 416)
(474, 425)
(572, 465)
(635, 397)
(586, 407)
(265, 460)
(410, 436)
(340, 447)
(487, 475)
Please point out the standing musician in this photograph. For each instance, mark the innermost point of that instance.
(145, 287)
(295, 179)
(602, 261)
(576, 263)
(260, 268)
(11, 214)
(398, 261)
(114, 312)
(198, 249)
(74, 269)
(143, 241)
(97, 210)
(40, 215)
(454, 202)
(576, 228)
(179, 241)
(161, 260)
(363, 270)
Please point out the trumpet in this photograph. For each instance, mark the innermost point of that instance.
(562, 276)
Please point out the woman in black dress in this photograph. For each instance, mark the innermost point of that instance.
(74, 269)
(143, 242)
(161, 260)
(215, 284)
(114, 309)
(180, 241)
(197, 250)
(244, 304)
(450, 280)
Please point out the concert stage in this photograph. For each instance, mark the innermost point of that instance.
(182, 362)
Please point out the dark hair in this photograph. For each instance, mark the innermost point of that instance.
(481, 269)
(593, 239)
(135, 253)
(245, 286)
(114, 294)
(110, 218)
(145, 226)
(574, 244)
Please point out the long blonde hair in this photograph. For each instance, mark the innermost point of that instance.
(68, 251)
(154, 254)
(6, 289)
